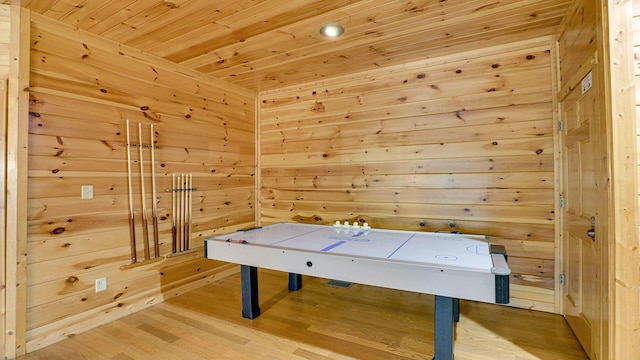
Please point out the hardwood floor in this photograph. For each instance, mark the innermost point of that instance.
(317, 322)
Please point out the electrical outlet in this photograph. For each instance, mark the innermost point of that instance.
(87, 192)
(101, 284)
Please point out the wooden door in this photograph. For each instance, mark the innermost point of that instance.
(582, 263)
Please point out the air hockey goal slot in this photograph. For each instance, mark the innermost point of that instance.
(339, 284)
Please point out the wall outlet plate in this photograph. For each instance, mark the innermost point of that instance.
(87, 192)
(101, 284)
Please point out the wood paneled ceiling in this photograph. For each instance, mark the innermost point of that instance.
(266, 44)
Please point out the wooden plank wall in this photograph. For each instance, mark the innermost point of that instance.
(4, 75)
(578, 43)
(16, 183)
(82, 90)
(4, 40)
(623, 146)
(636, 50)
(3, 212)
(457, 143)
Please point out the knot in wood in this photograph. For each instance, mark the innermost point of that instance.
(318, 107)
(58, 231)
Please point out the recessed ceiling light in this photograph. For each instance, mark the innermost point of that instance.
(331, 30)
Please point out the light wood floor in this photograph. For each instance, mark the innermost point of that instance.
(317, 322)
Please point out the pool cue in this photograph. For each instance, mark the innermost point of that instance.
(184, 212)
(145, 225)
(132, 221)
(190, 211)
(179, 217)
(154, 207)
(173, 214)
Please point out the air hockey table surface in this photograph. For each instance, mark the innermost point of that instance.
(440, 249)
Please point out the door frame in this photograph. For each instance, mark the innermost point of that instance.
(15, 257)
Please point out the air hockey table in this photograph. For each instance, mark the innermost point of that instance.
(449, 266)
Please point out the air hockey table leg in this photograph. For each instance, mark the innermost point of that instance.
(444, 315)
(295, 282)
(456, 310)
(249, 280)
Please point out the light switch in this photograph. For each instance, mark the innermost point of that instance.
(87, 192)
